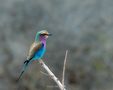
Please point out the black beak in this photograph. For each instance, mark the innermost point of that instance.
(49, 34)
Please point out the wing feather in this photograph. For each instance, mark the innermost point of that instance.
(33, 49)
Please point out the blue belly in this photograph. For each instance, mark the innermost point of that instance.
(39, 54)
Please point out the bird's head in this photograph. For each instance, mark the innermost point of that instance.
(42, 34)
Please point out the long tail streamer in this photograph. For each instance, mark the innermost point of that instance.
(24, 68)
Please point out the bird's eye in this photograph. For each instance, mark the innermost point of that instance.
(43, 34)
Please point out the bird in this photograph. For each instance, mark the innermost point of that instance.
(37, 49)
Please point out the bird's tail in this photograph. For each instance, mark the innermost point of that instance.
(26, 63)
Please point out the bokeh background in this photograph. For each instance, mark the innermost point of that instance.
(84, 27)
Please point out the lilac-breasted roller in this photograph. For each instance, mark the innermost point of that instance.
(37, 49)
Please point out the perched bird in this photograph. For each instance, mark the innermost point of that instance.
(37, 49)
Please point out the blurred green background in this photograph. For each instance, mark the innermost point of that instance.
(84, 27)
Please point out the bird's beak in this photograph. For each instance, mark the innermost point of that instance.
(49, 34)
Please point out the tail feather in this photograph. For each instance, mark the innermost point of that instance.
(24, 68)
(20, 75)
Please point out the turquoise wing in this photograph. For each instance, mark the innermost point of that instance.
(35, 47)
(40, 53)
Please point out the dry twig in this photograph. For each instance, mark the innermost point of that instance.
(52, 75)
(64, 66)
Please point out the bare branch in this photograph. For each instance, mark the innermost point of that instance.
(44, 73)
(52, 86)
(52, 75)
(64, 66)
